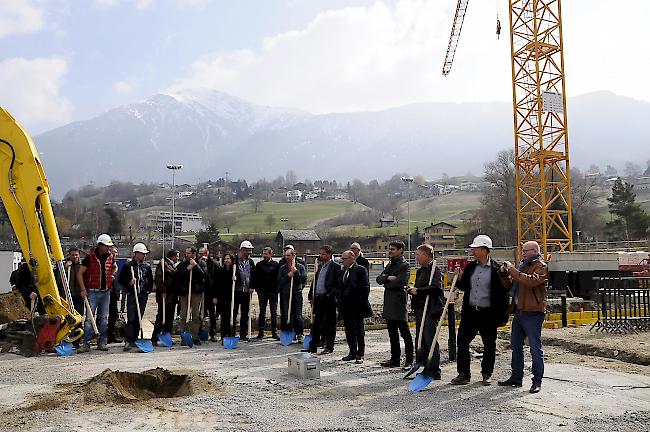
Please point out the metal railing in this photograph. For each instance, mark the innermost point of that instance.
(623, 304)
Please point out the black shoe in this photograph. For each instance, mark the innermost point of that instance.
(275, 336)
(309, 350)
(349, 357)
(437, 376)
(535, 388)
(244, 338)
(407, 365)
(487, 379)
(326, 351)
(197, 342)
(213, 339)
(260, 336)
(359, 360)
(390, 363)
(510, 382)
(461, 379)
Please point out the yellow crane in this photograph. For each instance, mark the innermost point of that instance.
(540, 121)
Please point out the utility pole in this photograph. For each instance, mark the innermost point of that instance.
(173, 168)
(408, 181)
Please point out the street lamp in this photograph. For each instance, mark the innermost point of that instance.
(174, 168)
(408, 181)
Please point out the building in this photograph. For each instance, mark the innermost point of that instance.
(183, 221)
(386, 222)
(294, 195)
(441, 236)
(642, 184)
(310, 196)
(304, 241)
(470, 186)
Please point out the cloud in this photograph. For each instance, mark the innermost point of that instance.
(385, 55)
(30, 90)
(125, 87)
(20, 17)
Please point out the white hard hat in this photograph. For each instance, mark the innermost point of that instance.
(105, 239)
(246, 245)
(289, 247)
(140, 247)
(481, 240)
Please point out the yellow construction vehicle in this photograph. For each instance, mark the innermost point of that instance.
(25, 194)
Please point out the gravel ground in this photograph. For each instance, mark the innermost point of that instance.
(251, 391)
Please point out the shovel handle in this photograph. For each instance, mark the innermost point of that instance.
(189, 298)
(137, 304)
(290, 301)
(232, 300)
(426, 305)
(89, 311)
(452, 294)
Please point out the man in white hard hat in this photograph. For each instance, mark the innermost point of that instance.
(95, 277)
(485, 308)
(137, 277)
(243, 291)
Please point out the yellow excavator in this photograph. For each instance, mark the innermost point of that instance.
(25, 194)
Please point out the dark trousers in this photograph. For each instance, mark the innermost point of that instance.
(422, 353)
(226, 320)
(475, 322)
(395, 328)
(168, 326)
(324, 324)
(242, 299)
(355, 332)
(272, 300)
(132, 322)
(297, 322)
(212, 311)
(112, 315)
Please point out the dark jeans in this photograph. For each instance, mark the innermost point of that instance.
(212, 311)
(324, 324)
(297, 323)
(168, 326)
(395, 328)
(99, 301)
(422, 354)
(272, 300)
(112, 314)
(132, 322)
(242, 299)
(354, 332)
(527, 324)
(226, 320)
(475, 322)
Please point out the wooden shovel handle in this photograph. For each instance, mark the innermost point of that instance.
(452, 294)
(426, 305)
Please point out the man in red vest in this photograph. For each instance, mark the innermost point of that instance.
(95, 278)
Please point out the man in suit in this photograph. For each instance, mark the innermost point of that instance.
(485, 308)
(395, 278)
(354, 289)
(359, 258)
(323, 296)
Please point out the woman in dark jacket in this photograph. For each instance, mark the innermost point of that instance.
(223, 286)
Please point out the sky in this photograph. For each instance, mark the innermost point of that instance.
(69, 60)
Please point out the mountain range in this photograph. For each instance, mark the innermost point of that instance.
(212, 133)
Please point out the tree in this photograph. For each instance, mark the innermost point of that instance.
(270, 221)
(227, 221)
(584, 195)
(209, 235)
(632, 170)
(631, 221)
(291, 178)
(610, 171)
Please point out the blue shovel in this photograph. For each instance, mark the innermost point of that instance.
(186, 336)
(422, 380)
(230, 342)
(286, 336)
(145, 345)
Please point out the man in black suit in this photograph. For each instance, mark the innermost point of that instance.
(323, 295)
(359, 258)
(354, 288)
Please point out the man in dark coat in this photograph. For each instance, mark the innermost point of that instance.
(198, 269)
(431, 287)
(323, 295)
(265, 282)
(292, 269)
(165, 294)
(210, 306)
(360, 259)
(395, 278)
(353, 292)
(244, 290)
(485, 308)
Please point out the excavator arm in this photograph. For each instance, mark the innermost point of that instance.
(25, 194)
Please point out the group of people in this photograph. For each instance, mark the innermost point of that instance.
(200, 285)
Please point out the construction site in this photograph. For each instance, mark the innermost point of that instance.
(595, 329)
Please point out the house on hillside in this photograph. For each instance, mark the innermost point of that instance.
(300, 186)
(442, 236)
(386, 221)
(382, 242)
(294, 195)
(642, 184)
(304, 241)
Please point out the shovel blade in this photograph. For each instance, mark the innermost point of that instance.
(63, 349)
(230, 342)
(413, 370)
(165, 339)
(145, 345)
(420, 382)
(186, 337)
(286, 337)
(203, 334)
(306, 341)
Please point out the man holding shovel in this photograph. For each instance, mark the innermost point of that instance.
(427, 291)
(244, 290)
(137, 276)
(266, 285)
(353, 292)
(291, 270)
(165, 295)
(198, 269)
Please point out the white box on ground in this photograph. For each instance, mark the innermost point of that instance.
(304, 366)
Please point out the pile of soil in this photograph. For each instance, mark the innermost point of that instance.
(12, 307)
(127, 387)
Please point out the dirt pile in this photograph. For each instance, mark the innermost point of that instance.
(127, 387)
(12, 307)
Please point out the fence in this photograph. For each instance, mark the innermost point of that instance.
(623, 304)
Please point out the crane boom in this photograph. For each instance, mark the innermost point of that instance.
(456, 27)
